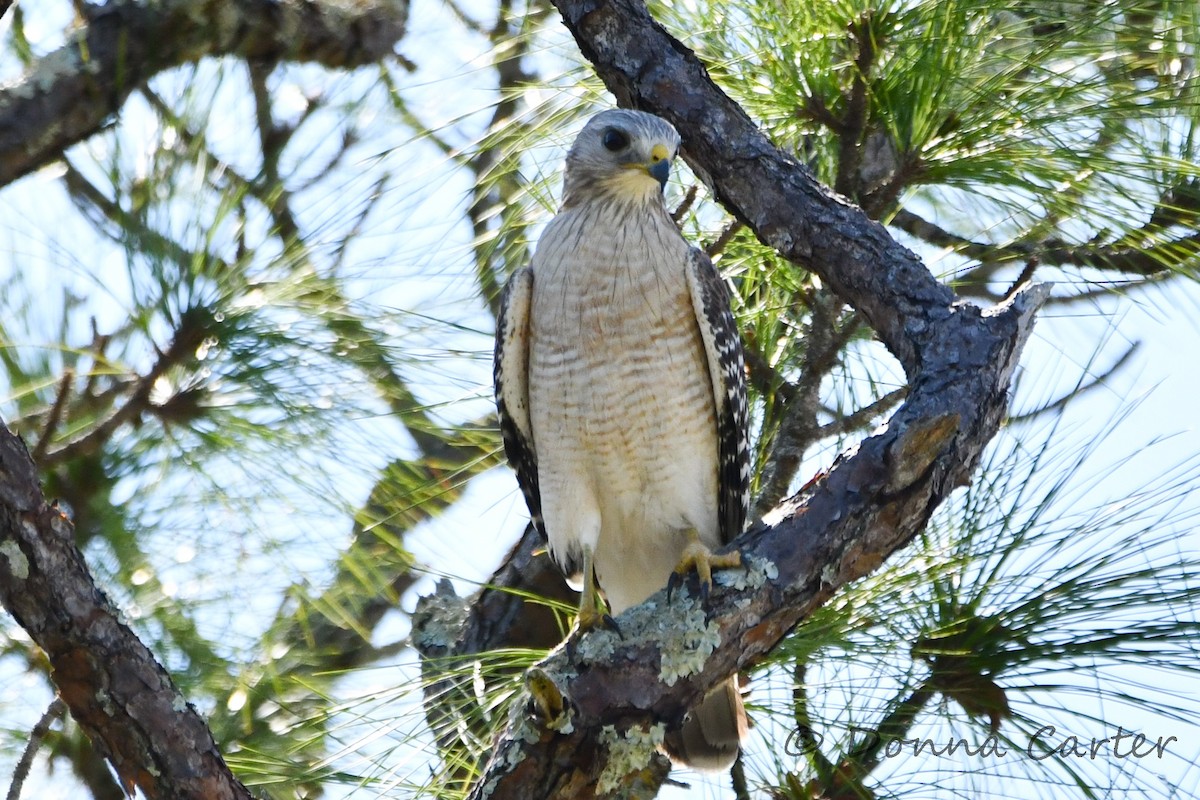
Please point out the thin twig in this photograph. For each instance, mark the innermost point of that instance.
(54, 712)
(882, 198)
(683, 207)
(1095, 383)
(806, 738)
(54, 417)
(1129, 254)
(183, 344)
(273, 138)
(99, 345)
(1107, 290)
(470, 24)
(1026, 275)
(893, 727)
(763, 376)
(497, 176)
(864, 415)
(726, 235)
(797, 430)
(815, 109)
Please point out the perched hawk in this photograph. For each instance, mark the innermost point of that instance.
(621, 392)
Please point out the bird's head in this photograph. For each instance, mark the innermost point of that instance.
(620, 154)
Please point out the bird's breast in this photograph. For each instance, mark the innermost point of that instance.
(614, 336)
(620, 401)
(618, 377)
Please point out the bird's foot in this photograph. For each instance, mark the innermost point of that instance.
(593, 613)
(696, 556)
(593, 617)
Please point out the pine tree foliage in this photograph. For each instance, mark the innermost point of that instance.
(245, 332)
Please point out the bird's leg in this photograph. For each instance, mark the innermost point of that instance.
(696, 556)
(592, 611)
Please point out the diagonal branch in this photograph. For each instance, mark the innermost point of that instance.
(122, 698)
(854, 121)
(617, 693)
(71, 93)
(862, 417)
(870, 504)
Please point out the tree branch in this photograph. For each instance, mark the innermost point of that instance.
(71, 93)
(497, 176)
(854, 121)
(55, 415)
(186, 338)
(863, 416)
(36, 735)
(1145, 251)
(121, 697)
(618, 693)
(798, 429)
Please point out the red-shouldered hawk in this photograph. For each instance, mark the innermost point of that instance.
(620, 385)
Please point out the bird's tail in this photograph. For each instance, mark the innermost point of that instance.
(712, 731)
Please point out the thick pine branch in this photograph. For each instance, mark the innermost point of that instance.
(114, 688)
(71, 93)
(959, 360)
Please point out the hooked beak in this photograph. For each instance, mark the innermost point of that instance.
(660, 165)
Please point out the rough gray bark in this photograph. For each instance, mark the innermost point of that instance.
(114, 688)
(71, 93)
(618, 692)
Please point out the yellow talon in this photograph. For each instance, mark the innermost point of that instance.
(697, 556)
(592, 618)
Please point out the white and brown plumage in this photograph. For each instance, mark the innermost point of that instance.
(621, 393)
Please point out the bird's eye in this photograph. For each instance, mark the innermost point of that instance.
(615, 139)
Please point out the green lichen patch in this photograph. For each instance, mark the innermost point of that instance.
(628, 752)
(755, 572)
(18, 564)
(685, 655)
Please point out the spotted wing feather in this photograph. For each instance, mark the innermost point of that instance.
(510, 374)
(727, 371)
